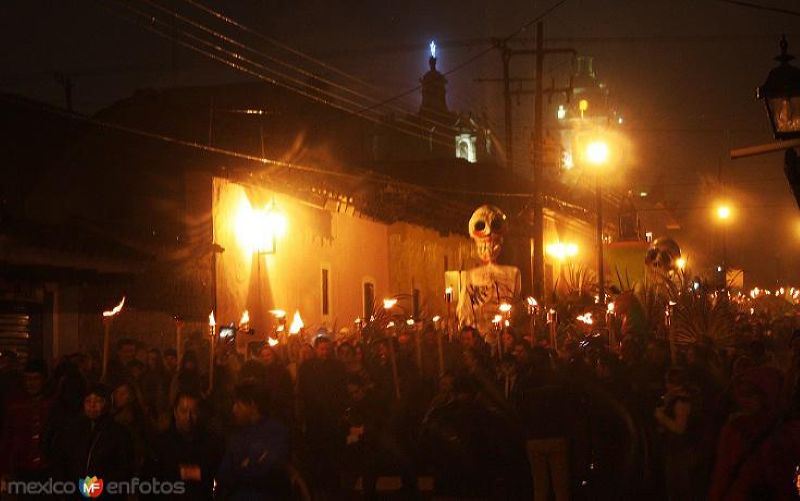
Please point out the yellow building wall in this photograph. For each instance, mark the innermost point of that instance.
(354, 250)
(419, 258)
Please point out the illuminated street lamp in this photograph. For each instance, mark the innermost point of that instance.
(723, 214)
(781, 95)
(597, 153)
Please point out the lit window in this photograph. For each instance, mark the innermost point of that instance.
(465, 148)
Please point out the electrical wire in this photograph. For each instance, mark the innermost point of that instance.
(285, 64)
(380, 103)
(761, 7)
(240, 67)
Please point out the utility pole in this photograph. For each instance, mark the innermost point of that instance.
(538, 202)
(601, 281)
(537, 254)
(507, 103)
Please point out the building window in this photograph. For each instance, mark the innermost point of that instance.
(465, 148)
(326, 300)
(369, 299)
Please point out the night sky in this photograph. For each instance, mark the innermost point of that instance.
(683, 74)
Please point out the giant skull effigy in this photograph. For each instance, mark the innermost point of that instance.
(485, 287)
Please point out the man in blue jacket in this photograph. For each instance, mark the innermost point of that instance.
(254, 465)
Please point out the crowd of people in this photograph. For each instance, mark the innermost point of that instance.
(513, 419)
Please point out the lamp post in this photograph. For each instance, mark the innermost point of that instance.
(597, 154)
(723, 214)
(781, 95)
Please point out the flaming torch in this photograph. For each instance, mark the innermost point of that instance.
(179, 324)
(533, 311)
(388, 304)
(439, 348)
(212, 327)
(448, 299)
(611, 315)
(108, 316)
(552, 323)
(279, 330)
(297, 324)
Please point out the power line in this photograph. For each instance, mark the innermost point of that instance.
(242, 67)
(394, 98)
(281, 62)
(761, 7)
(237, 64)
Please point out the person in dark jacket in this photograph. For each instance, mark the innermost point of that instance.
(93, 444)
(24, 436)
(322, 392)
(255, 463)
(188, 451)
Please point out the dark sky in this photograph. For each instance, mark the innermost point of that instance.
(682, 72)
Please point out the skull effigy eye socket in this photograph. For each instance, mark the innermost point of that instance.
(496, 225)
(480, 225)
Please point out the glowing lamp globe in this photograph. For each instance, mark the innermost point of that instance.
(597, 152)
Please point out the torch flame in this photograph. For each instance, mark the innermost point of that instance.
(245, 318)
(436, 318)
(297, 323)
(532, 301)
(211, 321)
(272, 342)
(433, 48)
(505, 307)
(278, 313)
(389, 303)
(116, 309)
(585, 318)
(610, 307)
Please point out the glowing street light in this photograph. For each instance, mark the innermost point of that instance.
(597, 152)
(562, 251)
(723, 214)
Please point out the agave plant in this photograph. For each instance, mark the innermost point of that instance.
(699, 315)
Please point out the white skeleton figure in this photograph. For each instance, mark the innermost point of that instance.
(486, 227)
(485, 287)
